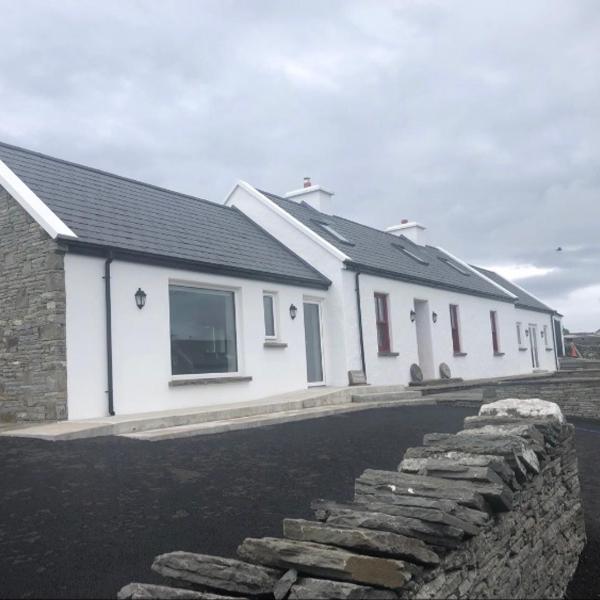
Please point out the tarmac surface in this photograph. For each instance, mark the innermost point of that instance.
(80, 519)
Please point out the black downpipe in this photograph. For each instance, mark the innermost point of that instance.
(360, 325)
(109, 359)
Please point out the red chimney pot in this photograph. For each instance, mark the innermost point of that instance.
(404, 222)
(307, 182)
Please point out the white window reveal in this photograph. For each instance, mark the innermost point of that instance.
(203, 331)
(547, 340)
(520, 334)
(269, 310)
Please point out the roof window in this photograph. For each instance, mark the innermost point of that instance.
(338, 236)
(410, 254)
(455, 266)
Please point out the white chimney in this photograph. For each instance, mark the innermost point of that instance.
(414, 231)
(314, 195)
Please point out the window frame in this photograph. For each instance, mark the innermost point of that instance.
(519, 325)
(455, 329)
(494, 331)
(458, 268)
(546, 343)
(275, 309)
(409, 253)
(236, 322)
(386, 347)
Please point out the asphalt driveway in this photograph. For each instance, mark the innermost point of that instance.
(81, 519)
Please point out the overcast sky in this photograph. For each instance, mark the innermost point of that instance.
(479, 119)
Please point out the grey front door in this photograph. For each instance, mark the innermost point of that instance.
(314, 350)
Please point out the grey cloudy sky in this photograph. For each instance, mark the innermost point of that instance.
(479, 119)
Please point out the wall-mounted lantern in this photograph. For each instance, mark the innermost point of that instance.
(434, 316)
(293, 311)
(140, 298)
(542, 333)
(413, 316)
(527, 333)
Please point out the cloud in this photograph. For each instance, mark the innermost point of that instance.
(480, 122)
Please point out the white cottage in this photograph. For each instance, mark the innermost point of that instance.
(120, 297)
(399, 301)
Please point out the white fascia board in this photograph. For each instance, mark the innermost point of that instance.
(32, 204)
(462, 263)
(289, 218)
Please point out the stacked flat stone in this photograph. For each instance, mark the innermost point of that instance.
(490, 512)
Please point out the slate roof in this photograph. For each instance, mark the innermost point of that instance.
(525, 300)
(377, 251)
(108, 210)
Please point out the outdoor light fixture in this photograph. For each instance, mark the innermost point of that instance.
(434, 316)
(293, 311)
(527, 333)
(140, 298)
(413, 316)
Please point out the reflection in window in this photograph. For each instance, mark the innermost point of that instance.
(203, 336)
(269, 313)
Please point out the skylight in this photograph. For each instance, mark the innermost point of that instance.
(455, 266)
(410, 254)
(338, 236)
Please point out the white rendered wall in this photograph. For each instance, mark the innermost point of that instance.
(141, 340)
(86, 337)
(475, 331)
(342, 351)
(546, 349)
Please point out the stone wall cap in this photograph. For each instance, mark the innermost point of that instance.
(523, 407)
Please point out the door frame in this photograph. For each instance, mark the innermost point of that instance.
(533, 346)
(319, 303)
(424, 337)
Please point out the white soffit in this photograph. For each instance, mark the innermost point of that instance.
(32, 204)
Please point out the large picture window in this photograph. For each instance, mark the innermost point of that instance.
(203, 336)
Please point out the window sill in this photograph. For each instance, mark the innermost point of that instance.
(274, 344)
(388, 354)
(499, 353)
(209, 380)
(521, 349)
(460, 354)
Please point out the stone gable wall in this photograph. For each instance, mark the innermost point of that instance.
(33, 376)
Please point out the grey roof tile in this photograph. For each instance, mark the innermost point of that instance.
(109, 210)
(525, 300)
(377, 250)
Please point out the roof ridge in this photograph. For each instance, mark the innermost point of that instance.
(325, 215)
(109, 174)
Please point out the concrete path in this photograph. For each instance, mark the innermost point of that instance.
(303, 404)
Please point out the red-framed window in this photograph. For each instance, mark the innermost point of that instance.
(383, 323)
(455, 329)
(494, 325)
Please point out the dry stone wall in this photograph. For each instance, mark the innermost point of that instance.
(577, 395)
(33, 379)
(492, 511)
